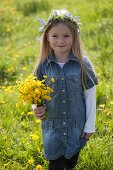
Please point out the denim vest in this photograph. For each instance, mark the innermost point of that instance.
(66, 112)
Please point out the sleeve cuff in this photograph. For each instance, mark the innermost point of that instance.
(89, 129)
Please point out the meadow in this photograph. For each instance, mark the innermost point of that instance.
(21, 146)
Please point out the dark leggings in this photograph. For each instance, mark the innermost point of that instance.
(62, 162)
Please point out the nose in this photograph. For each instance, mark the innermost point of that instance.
(60, 40)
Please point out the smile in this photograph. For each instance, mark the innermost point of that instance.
(61, 46)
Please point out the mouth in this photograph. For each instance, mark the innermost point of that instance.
(60, 46)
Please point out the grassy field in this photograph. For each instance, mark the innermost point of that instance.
(21, 145)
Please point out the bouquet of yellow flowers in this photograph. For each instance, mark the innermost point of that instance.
(34, 91)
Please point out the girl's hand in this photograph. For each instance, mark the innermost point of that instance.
(86, 135)
(40, 112)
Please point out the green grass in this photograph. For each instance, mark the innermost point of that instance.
(18, 55)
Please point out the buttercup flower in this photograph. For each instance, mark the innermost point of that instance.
(102, 105)
(34, 91)
(34, 137)
(31, 161)
(38, 149)
(38, 167)
(38, 121)
(111, 102)
(30, 113)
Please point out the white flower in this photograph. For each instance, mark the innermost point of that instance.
(40, 29)
(42, 21)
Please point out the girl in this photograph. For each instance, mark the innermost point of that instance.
(71, 112)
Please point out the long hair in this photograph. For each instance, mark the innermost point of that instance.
(77, 49)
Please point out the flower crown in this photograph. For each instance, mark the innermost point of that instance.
(58, 15)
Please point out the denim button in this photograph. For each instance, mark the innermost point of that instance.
(64, 123)
(63, 101)
(63, 90)
(62, 78)
(64, 133)
(64, 113)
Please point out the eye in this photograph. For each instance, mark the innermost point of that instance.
(54, 35)
(66, 35)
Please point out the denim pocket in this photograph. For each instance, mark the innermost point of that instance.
(46, 125)
(73, 82)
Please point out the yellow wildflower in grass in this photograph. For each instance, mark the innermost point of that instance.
(38, 121)
(34, 137)
(6, 164)
(102, 105)
(9, 89)
(33, 91)
(10, 69)
(2, 102)
(38, 167)
(30, 113)
(109, 113)
(3, 87)
(24, 68)
(38, 149)
(17, 106)
(111, 102)
(31, 161)
(105, 111)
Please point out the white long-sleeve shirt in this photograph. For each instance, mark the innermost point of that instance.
(90, 100)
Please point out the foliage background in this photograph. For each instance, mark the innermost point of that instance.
(20, 139)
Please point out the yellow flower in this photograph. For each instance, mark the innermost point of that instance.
(3, 87)
(34, 137)
(38, 167)
(30, 113)
(102, 105)
(45, 76)
(2, 102)
(47, 98)
(11, 69)
(24, 68)
(111, 102)
(38, 121)
(38, 149)
(52, 80)
(33, 91)
(105, 111)
(17, 105)
(9, 89)
(6, 164)
(31, 161)
(109, 113)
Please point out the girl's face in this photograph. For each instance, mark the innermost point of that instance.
(60, 39)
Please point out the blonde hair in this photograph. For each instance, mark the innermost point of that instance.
(77, 49)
